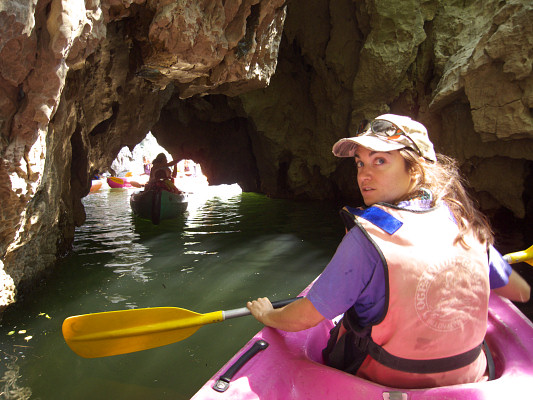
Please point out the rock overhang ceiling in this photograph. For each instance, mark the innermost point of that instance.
(256, 91)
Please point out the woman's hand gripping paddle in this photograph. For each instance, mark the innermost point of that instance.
(126, 331)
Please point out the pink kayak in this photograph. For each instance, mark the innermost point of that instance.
(117, 183)
(289, 366)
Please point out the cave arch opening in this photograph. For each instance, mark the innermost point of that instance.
(134, 166)
(134, 162)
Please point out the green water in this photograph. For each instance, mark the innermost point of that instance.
(228, 248)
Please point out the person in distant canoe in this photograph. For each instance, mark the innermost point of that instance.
(413, 274)
(146, 166)
(161, 176)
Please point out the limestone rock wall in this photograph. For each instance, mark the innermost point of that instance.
(257, 91)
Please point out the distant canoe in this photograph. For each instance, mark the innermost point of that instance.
(158, 204)
(96, 185)
(117, 183)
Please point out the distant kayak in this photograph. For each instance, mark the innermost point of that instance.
(117, 183)
(157, 204)
(290, 366)
(96, 185)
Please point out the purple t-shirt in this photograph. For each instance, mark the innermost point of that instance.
(355, 277)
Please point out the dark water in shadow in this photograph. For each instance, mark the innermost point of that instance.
(226, 250)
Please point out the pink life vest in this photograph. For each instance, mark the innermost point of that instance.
(438, 295)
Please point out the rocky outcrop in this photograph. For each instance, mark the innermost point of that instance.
(256, 91)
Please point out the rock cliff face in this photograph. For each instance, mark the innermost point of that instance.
(257, 91)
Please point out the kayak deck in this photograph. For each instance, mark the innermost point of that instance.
(291, 367)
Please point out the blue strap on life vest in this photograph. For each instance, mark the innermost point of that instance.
(378, 217)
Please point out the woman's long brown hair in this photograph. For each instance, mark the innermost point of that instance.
(444, 181)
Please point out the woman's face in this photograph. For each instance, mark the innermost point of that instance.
(382, 176)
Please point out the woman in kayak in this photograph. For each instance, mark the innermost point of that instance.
(161, 175)
(413, 275)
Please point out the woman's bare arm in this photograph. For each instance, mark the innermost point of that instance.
(171, 163)
(516, 290)
(294, 317)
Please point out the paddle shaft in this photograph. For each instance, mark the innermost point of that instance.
(241, 312)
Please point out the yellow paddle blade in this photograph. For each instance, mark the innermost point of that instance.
(520, 256)
(126, 331)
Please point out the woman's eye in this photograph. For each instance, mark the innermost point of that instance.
(379, 161)
(359, 164)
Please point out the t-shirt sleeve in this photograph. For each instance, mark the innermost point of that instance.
(354, 276)
(499, 269)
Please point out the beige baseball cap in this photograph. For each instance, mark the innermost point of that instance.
(386, 133)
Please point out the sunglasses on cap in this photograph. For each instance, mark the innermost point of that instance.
(387, 129)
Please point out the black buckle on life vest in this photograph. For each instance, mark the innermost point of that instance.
(362, 342)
